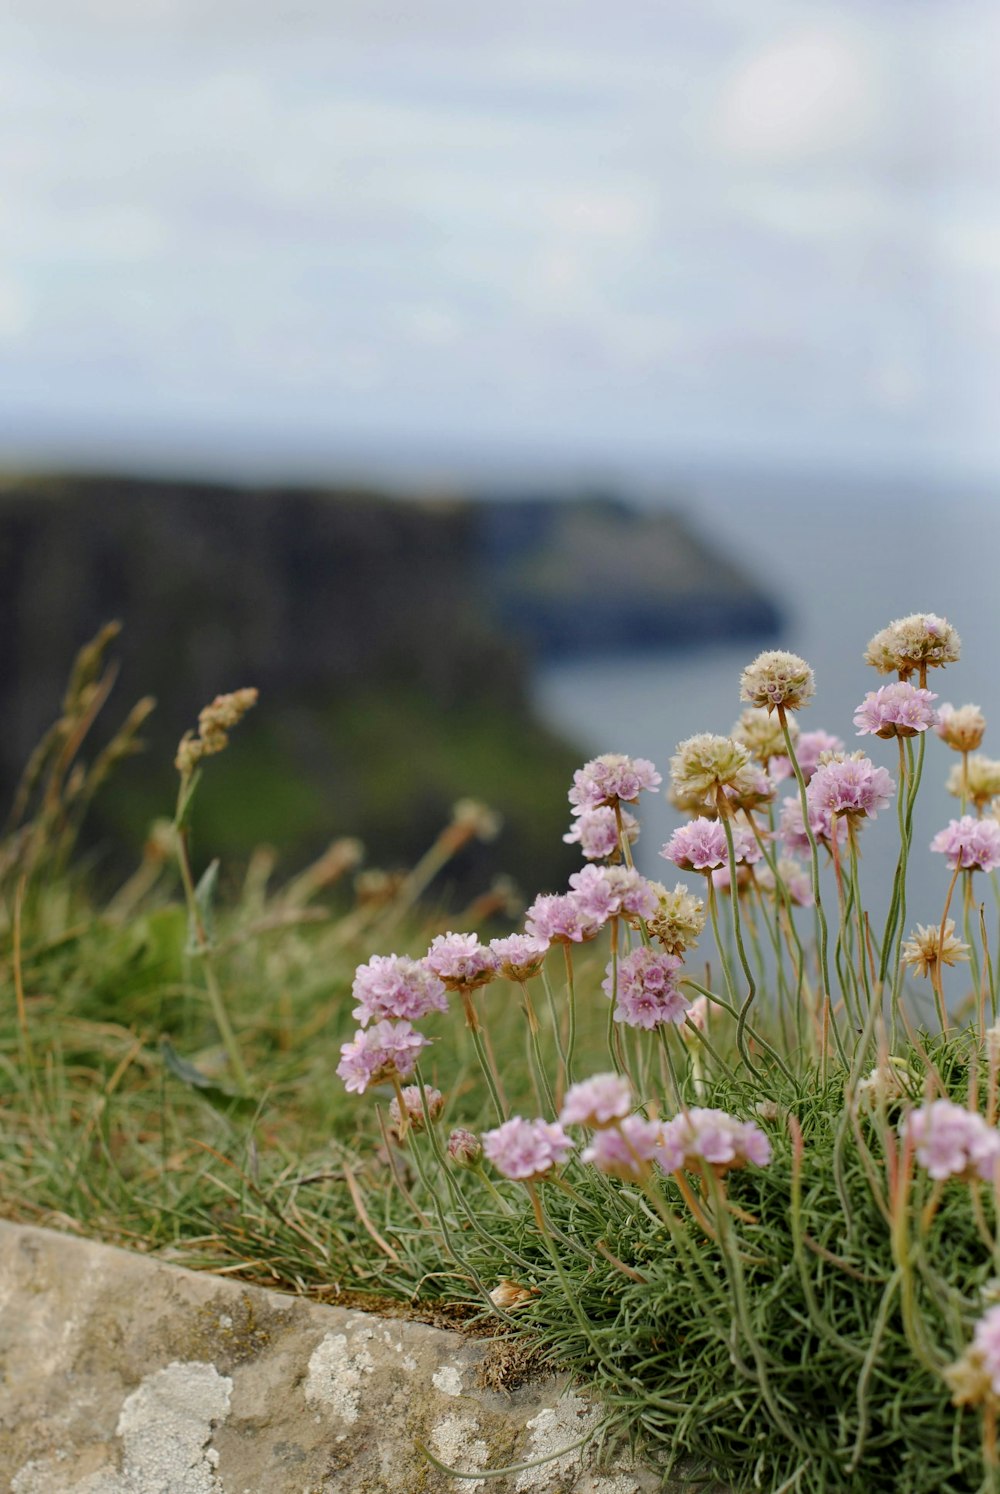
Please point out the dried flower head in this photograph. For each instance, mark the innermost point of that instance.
(776, 678)
(896, 710)
(705, 763)
(972, 844)
(679, 920)
(925, 950)
(612, 779)
(510, 1295)
(760, 730)
(414, 1108)
(961, 727)
(886, 1082)
(919, 642)
(476, 819)
(215, 722)
(980, 783)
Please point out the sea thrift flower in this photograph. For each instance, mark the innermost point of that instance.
(375, 1054)
(926, 949)
(647, 993)
(722, 881)
(952, 1142)
(519, 956)
(704, 763)
(791, 828)
(972, 844)
(896, 710)
(701, 1137)
(394, 986)
(464, 1148)
(975, 1377)
(761, 731)
(461, 961)
(559, 918)
(607, 891)
(920, 641)
(776, 678)
(627, 1150)
(885, 1083)
(510, 1295)
(595, 831)
(598, 1101)
(794, 878)
(526, 1150)
(701, 846)
(414, 1107)
(611, 779)
(696, 1018)
(980, 782)
(854, 787)
(679, 920)
(986, 1340)
(962, 728)
(809, 748)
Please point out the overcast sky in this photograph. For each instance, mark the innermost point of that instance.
(741, 229)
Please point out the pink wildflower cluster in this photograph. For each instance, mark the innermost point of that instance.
(700, 845)
(378, 1053)
(598, 1101)
(853, 787)
(526, 1150)
(461, 962)
(972, 844)
(986, 1341)
(647, 993)
(519, 956)
(897, 710)
(810, 746)
(625, 1150)
(606, 891)
(560, 918)
(394, 986)
(700, 1137)
(951, 1141)
(611, 779)
(595, 831)
(824, 825)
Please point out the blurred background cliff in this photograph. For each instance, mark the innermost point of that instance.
(486, 384)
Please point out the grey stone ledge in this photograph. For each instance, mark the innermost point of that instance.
(123, 1374)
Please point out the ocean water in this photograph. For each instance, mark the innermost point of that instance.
(843, 565)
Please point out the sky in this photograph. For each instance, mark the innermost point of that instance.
(298, 234)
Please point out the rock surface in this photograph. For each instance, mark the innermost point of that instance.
(121, 1374)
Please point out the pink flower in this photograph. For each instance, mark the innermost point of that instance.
(795, 879)
(604, 891)
(394, 986)
(951, 1141)
(853, 787)
(610, 779)
(809, 747)
(700, 1136)
(598, 1101)
(526, 1150)
(461, 961)
(821, 822)
(700, 845)
(969, 843)
(626, 1150)
(595, 831)
(414, 1107)
(647, 992)
(375, 1054)
(897, 710)
(559, 918)
(986, 1339)
(519, 956)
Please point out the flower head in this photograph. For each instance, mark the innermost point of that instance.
(647, 993)
(461, 961)
(595, 831)
(854, 787)
(701, 846)
(611, 779)
(377, 1053)
(519, 956)
(951, 1141)
(926, 950)
(526, 1150)
(980, 783)
(823, 824)
(607, 891)
(810, 746)
(921, 641)
(701, 1137)
(972, 844)
(793, 877)
(761, 731)
(464, 1148)
(625, 1150)
(560, 918)
(395, 986)
(896, 710)
(598, 1101)
(986, 1339)
(961, 727)
(705, 763)
(679, 920)
(215, 722)
(776, 678)
(414, 1107)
